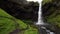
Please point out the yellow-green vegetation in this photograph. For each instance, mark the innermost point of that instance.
(31, 31)
(7, 24)
(54, 17)
(55, 20)
(46, 1)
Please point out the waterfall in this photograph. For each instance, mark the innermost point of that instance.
(40, 21)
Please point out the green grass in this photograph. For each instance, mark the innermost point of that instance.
(3, 13)
(31, 30)
(7, 25)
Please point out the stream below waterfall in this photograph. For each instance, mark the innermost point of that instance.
(43, 30)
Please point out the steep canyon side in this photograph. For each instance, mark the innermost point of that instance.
(51, 14)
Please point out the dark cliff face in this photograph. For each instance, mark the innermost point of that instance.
(19, 1)
(51, 14)
(50, 8)
(21, 11)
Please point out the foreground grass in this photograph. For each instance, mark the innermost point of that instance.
(7, 24)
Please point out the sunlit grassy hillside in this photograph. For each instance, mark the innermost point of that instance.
(8, 24)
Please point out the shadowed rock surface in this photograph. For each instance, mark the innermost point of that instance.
(51, 15)
(21, 11)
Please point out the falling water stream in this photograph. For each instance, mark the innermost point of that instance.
(40, 22)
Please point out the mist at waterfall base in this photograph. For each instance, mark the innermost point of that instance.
(40, 20)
